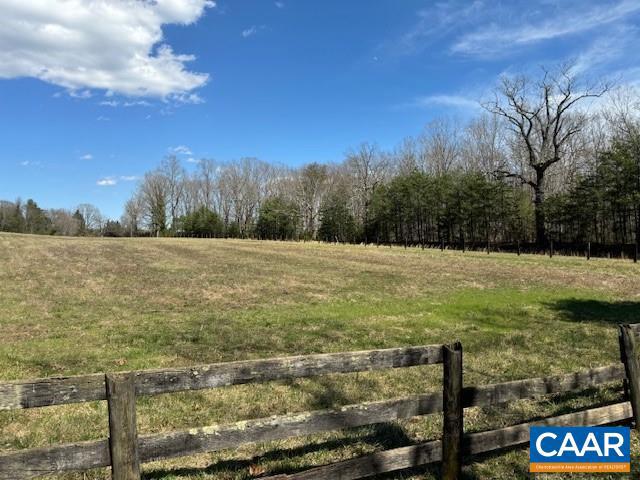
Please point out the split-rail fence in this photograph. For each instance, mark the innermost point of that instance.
(125, 450)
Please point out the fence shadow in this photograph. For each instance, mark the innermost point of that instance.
(384, 436)
(580, 310)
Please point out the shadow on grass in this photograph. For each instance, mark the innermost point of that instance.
(389, 436)
(580, 310)
(383, 436)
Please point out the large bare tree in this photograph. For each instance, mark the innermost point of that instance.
(544, 118)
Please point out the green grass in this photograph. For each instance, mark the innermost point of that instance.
(73, 305)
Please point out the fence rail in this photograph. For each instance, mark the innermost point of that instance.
(43, 392)
(473, 444)
(125, 450)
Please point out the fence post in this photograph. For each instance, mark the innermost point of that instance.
(453, 412)
(123, 438)
(629, 356)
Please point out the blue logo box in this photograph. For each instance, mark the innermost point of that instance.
(579, 449)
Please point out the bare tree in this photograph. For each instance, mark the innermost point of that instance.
(133, 212)
(623, 115)
(191, 194)
(63, 222)
(405, 156)
(174, 175)
(439, 146)
(208, 172)
(222, 195)
(310, 189)
(543, 118)
(243, 181)
(483, 147)
(93, 219)
(154, 192)
(368, 169)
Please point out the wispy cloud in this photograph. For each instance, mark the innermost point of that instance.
(618, 45)
(125, 103)
(79, 93)
(279, 4)
(129, 178)
(29, 163)
(107, 182)
(497, 38)
(485, 29)
(86, 156)
(252, 30)
(180, 150)
(434, 23)
(455, 101)
(193, 160)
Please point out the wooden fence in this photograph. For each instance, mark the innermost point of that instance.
(125, 450)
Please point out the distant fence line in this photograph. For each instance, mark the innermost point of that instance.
(124, 450)
(629, 251)
(587, 249)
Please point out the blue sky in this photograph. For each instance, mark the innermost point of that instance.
(92, 95)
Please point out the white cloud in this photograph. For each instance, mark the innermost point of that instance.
(193, 160)
(495, 38)
(106, 182)
(279, 4)
(113, 45)
(86, 156)
(252, 30)
(129, 178)
(180, 150)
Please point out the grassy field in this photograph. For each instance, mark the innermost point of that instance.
(75, 305)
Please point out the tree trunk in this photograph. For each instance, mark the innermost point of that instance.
(538, 203)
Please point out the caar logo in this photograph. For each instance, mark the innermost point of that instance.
(579, 449)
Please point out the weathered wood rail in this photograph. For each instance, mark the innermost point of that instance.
(124, 451)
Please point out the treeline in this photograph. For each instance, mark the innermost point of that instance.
(536, 167)
(28, 217)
